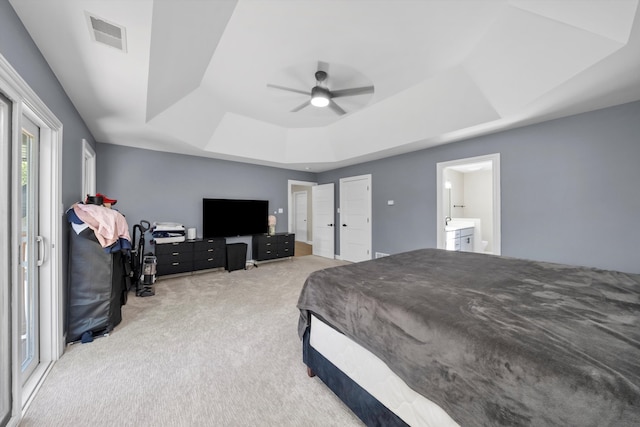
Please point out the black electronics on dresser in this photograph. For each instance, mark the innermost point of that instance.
(234, 217)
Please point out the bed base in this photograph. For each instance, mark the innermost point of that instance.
(364, 405)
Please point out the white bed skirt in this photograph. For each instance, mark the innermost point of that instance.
(376, 378)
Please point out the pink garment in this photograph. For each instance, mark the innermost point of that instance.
(109, 225)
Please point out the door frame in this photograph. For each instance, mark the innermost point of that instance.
(290, 207)
(88, 170)
(496, 203)
(6, 322)
(26, 102)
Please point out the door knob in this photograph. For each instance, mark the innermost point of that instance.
(344, 225)
(329, 225)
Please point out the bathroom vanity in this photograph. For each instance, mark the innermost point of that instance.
(459, 236)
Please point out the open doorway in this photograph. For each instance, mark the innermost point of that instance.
(468, 203)
(300, 215)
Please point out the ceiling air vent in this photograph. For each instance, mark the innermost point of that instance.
(106, 32)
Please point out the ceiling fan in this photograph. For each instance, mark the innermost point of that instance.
(321, 95)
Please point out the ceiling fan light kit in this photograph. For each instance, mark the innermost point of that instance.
(321, 96)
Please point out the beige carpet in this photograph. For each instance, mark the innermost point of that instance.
(213, 349)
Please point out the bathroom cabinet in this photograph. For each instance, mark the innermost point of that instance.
(460, 240)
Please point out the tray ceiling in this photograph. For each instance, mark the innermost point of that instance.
(193, 77)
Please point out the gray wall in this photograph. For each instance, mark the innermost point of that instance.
(570, 190)
(20, 51)
(166, 187)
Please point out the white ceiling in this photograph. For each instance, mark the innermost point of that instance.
(194, 77)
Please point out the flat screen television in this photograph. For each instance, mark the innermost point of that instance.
(233, 217)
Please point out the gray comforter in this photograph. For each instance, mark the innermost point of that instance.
(494, 340)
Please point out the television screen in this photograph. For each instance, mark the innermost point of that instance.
(231, 217)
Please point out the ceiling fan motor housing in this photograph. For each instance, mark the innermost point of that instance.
(321, 76)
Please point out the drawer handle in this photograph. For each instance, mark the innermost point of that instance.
(175, 263)
(209, 259)
(209, 250)
(175, 253)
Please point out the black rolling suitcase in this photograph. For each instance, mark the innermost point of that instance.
(96, 287)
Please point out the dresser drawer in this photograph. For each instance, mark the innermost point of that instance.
(289, 244)
(170, 248)
(267, 245)
(266, 240)
(167, 258)
(173, 267)
(267, 253)
(285, 251)
(209, 253)
(205, 264)
(286, 239)
(206, 244)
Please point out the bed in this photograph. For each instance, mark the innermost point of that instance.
(478, 339)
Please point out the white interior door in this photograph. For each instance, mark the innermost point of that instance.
(323, 212)
(300, 206)
(355, 218)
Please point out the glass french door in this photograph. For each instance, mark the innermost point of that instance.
(31, 297)
(31, 251)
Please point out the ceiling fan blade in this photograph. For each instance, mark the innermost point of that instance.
(301, 106)
(304, 92)
(351, 91)
(335, 107)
